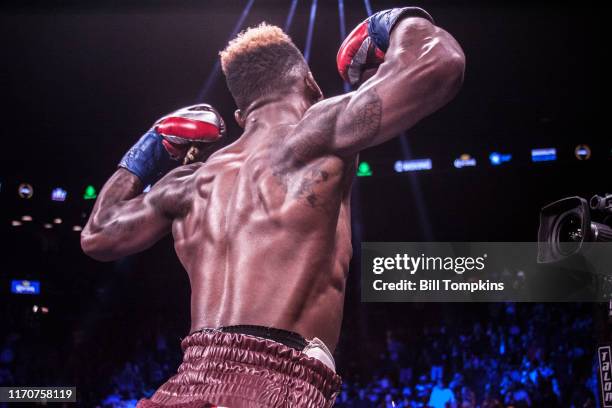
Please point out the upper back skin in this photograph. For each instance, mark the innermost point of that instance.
(266, 243)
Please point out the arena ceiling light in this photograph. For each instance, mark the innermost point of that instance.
(364, 170)
(465, 160)
(402, 166)
(582, 152)
(25, 190)
(25, 287)
(542, 155)
(58, 194)
(90, 193)
(497, 159)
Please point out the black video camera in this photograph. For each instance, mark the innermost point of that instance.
(566, 225)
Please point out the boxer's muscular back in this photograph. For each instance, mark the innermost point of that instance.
(263, 228)
(267, 240)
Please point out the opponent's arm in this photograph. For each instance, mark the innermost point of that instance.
(422, 70)
(125, 221)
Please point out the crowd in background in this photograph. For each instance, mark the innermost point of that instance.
(525, 355)
(530, 355)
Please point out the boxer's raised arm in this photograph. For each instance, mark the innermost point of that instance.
(125, 221)
(422, 70)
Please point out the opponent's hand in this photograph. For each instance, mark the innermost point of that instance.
(364, 49)
(160, 149)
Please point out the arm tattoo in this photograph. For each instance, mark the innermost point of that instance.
(314, 136)
(295, 170)
(298, 170)
(301, 184)
(367, 116)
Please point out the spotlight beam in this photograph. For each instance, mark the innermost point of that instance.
(290, 15)
(368, 7)
(214, 73)
(346, 85)
(417, 192)
(313, 16)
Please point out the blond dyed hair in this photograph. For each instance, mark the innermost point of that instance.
(259, 61)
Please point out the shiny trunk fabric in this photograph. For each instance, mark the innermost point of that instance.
(236, 370)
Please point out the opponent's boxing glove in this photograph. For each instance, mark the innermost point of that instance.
(159, 150)
(366, 45)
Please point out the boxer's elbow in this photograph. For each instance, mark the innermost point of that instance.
(436, 78)
(436, 68)
(96, 247)
(449, 72)
(449, 61)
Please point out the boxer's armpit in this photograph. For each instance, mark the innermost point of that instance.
(314, 134)
(335, 126)
(294, 161)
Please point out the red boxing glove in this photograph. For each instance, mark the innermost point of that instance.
(358, 53)
(366, 45)
(193, 124)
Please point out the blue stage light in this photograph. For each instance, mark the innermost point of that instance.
(59, 194)
(402, 166)
(547, 154)
(498, 158)
(25, 287)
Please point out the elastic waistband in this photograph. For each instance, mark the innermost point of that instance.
(234, 354)
(286, 337)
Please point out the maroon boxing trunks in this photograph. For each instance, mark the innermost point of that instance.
(237, 370)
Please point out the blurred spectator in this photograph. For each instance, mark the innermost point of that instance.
(499, 360)
(441, 396)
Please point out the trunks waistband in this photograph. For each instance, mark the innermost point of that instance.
(286, 337)
(238, 370)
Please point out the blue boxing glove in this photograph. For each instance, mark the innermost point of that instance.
(381, 23)
(365, 47)
(164, 146)
(148, 159)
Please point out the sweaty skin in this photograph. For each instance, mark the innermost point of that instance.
(263, 227)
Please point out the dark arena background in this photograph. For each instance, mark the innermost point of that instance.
(81, 81)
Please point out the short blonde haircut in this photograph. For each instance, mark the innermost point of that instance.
(250, 40)
(260, 60)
